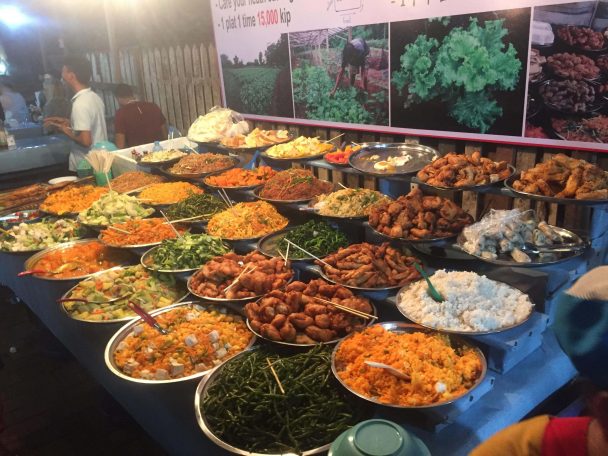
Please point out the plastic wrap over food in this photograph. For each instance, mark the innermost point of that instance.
(218, 123)
(506, 232)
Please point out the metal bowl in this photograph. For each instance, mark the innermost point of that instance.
(30, 263)
(201, 389)
(504, 259)
(147, 262)
(126, 330)
(318, 270)
(255, 148)
(268, 245)
(198, 176)
(268, 158)
(467, 188)
(552, 199)
(438, 240)
(14, 218)
(157, 164)
(258, 190)
(223, 300)
(400, 327)
(293, 344)
(69, 292)
(452, 331)
(364, 159)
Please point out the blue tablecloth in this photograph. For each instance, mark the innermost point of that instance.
(26, 130)
(33, 153)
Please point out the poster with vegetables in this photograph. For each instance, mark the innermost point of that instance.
(522, 72)
(341, 74)
(466, 73)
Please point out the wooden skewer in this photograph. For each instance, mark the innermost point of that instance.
(108, 180)
(356, 312)
(172, 227)
(226, 198)
(139, 189)
(187, 219)
(119, 230)
(308, 253)
(246, 270)
(342, 185)
(286, 254)
(276, 377)
(335, 137)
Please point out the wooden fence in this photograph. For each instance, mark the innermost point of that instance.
(184, 81)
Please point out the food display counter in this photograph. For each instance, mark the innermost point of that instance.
(521, 363)
(26, 130)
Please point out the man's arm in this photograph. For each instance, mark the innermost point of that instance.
(83, 138)
(120, 140)
(338, 79)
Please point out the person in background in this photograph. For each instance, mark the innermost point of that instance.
(581, 327)
(57, 104)
(13, 103)
(87, 124)
(137, 122)
(355, 54)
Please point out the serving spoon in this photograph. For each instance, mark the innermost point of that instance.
(390, 369)
(117, 298)
(530, 248)
(432, 291)
(145, 316)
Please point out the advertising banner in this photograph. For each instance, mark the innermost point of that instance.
(525, 72)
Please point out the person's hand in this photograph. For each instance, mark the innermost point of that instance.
(592, 286)
(56, 121)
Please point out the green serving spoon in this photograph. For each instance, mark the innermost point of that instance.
(432, 291)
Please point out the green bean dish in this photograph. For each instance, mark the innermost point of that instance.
(317, 237)
(245, 407)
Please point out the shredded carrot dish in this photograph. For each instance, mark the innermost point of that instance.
(437, 371)
(246, 220)
(239, 177)
(169, 192)
(73, 199)
(146, 231)
(199, 339)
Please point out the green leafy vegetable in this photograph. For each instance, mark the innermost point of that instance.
(465, 69)
(318, 238)
(188, 251)
(194, 205)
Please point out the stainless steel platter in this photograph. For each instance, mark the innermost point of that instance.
(552, 199)
(419, 156)
(30, 263)
(147, 262)
(399, 327)
(452, 331)
(127, 329)
(198, 176)
(318, 270)
(504, 259)
(258, 190)
(438, 240)
(472, 188)
(68, 293)
(15, 217)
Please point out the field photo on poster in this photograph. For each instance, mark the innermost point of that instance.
(461, 73)
(257, 81)
(568, 72)
(341, 74)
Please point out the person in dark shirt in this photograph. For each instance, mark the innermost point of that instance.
(355, 54)
(137, 122)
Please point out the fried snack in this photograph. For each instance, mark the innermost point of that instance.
(246, 221)
(415, 216)
(294, 184)
(240, 177)
(369, 266)
(134, 179)
(169, 192)
(73, 199)
(565, 177)
(257, 275)
(257, 138)
(294, 315)
(459, 170)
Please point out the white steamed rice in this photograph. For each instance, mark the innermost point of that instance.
(472, 303)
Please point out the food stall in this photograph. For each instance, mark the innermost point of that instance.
(289, 270)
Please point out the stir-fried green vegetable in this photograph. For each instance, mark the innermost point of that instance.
(187, 252)
(27, 237)
(113, 208)
(204, 204)
(318, 238)
(245, 407)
